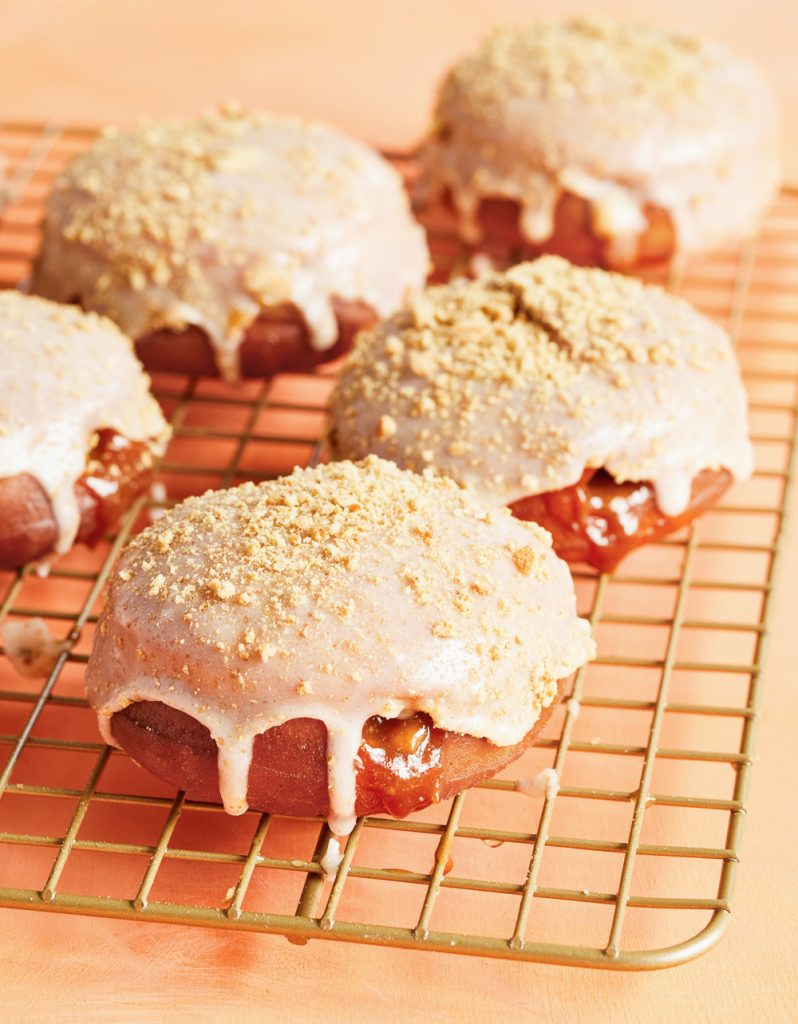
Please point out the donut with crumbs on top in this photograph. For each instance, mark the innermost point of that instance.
(351, 639)
(79, 429)
(606, 410)
(238, 244)
(612, 144)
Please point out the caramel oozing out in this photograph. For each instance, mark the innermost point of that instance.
(402, 760)
(117, 471)
(599, 521)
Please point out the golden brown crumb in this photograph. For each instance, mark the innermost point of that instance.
(525, 559)
(386, 427)
(573, 58)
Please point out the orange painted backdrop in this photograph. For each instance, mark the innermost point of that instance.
(365, 65)
(370, 67)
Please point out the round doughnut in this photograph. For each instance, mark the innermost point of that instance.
(349, 639)
(608, 143)
(236, 243)
(606, 410)
(79, 429)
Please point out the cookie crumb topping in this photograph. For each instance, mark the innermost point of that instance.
(515, 383)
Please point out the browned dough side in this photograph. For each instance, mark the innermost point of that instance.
(573, 236)
(289, 765)
(277, 342)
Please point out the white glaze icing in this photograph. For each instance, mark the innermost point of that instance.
(65, 374)
(545, 784)
(515, 383)
(332, 858)
(158, 495)
(30, 646)
(621, 115)
(337, 593)
(208, 222)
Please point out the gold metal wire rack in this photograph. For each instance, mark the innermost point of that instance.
(631, 864)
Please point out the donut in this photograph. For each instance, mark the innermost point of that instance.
(79, 429)
(350, 639)
(237, 244)
(611, 144)
(606, 410)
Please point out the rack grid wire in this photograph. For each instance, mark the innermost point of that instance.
(630, 865)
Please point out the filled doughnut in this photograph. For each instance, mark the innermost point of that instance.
(606, 410)
(236, 243)
(608, 143)
(349, 639)
(79, 429)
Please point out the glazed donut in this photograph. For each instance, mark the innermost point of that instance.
(79, 429)
(606, 410)
(349, 639)
(607, 143)
(237, 243)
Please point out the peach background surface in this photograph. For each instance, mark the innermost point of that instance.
(371, 67)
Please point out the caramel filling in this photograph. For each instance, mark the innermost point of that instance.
(401, 760)
(599, 521)
(117, 471)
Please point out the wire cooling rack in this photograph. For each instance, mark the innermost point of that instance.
(630, 865)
